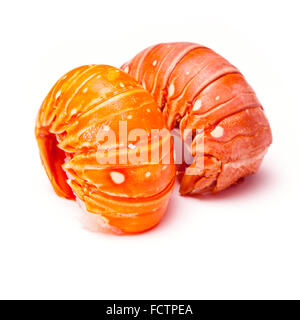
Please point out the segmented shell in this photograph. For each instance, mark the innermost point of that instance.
(205, 96)
(121, 196)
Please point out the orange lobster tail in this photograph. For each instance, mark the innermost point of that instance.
(120, 196)
(216, 110)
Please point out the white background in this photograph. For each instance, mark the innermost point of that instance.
(242, 243)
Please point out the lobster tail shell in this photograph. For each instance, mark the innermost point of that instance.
(119, 195)
(206, 97)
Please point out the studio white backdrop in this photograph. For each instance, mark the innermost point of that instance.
(242, 243)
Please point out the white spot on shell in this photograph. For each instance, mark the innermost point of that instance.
(98, 77)
(85, 90)
(117, 177)
(131, 146)
(154, 63)
(106, 128)
(217, 132)
(147, 174)
(122, 85)
(129, 117)
(85, 144)
(148, 110)
(171, 90)
(164, 167)
(58, 94)
(217, 98)
(187, 73)
(73, 111)
(197, 105)
(126, 69)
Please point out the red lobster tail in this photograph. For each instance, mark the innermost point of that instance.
(205, 96)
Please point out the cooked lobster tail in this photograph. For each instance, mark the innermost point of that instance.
(216, 110)
(86, 155)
